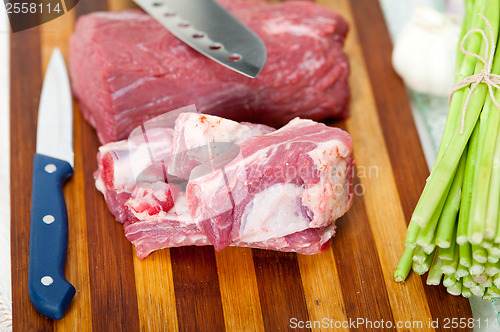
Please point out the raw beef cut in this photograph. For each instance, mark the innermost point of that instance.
(285, 182)
(194, 133)
(126, 68)
(133, 177)
(142, 158)
(117, 179)
(283, 190)
(173, 229)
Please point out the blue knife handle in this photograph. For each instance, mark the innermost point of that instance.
(49, 291)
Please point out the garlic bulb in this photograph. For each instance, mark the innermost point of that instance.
(425, 51)
(455, 6)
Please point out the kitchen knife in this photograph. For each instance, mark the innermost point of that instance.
(211, 30)
(49, 291)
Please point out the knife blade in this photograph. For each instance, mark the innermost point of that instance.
(49, 291)
(211, 30)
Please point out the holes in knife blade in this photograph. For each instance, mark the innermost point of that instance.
(184, 25)
(234, 57)
(157, 4)
(198, 35)
(170, 13)
(215, 46)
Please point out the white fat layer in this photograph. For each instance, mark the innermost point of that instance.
(200, 129)
(126, 89)
(311, 62)
(143, 153)
(132, 158)
(124, 15)
(180, 211)
(274, 212)
(281, 26)
(328, 198)
(123, 178)
(327, 151)
(99, 184)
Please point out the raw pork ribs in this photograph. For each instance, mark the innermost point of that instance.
(213, 181)
(126, 68)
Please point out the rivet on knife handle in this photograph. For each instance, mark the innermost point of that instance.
(49, 291)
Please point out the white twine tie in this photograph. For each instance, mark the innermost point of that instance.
(485, 76)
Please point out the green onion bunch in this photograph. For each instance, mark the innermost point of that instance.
(454, 232)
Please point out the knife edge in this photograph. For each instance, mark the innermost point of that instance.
(55, 113)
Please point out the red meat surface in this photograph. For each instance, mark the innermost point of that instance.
(126, 68)
(283, 190)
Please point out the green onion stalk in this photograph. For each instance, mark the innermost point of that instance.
(454, 232)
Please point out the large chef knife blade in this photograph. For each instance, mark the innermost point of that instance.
(211, 30)
(49, 291)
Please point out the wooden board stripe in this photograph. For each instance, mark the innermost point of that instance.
(239, 290)
(280, 289)
(401, 137)
(397, 125)
(324, 300)
(84, 7)
(378, 187)
(155, 292)
(24, 98)
(80, 312)
(54, 34)
(116, 5)
(383, 203)
(360, 275)
(111, 268)
(197, 294)
(112, 276)
(154, 275)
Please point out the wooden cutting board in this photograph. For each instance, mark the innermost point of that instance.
(198, 289)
